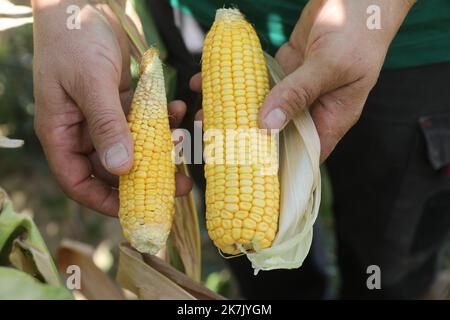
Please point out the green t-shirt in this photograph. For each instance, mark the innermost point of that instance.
(424, 37)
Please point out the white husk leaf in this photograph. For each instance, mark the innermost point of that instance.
(10, 143)
(300, 185)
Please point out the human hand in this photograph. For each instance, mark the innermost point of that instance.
(333, 61)
(82, 86)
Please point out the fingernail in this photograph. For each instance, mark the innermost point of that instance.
(275, 119)
(116, 156)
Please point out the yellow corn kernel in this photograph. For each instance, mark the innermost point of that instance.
(235, 83)
(145, 212)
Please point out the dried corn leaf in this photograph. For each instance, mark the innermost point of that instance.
(22, 261)
(32, 260)
(144, 281)
(137, 41)
(95, 284)
(10, 143)
(186, 232)
(198, 291)
(140, 13)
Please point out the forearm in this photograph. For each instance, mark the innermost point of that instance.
(356, 16)
(377, 19)
(392, 13)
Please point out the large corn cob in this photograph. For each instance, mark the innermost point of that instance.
(147, 191)
(242, 198)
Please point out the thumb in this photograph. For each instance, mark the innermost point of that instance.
(294, 93)
(107, 126)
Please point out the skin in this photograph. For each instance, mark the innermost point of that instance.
(82, 86)
(82, 92)
(332, 61)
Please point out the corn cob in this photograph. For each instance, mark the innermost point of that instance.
(147, 191)
(242, 202)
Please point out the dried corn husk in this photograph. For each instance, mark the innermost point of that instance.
(300, 184)
(151, 278)
(10, 143)
(94, 283)
(12, 16)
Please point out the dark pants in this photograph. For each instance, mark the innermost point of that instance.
(391, 206)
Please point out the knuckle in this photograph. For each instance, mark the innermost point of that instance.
(104, 124)
(298, 97)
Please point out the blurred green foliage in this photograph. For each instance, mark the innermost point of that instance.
(16, 82)
(27, 270)
(16, 94)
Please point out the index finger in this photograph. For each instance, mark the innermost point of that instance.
(74, 173)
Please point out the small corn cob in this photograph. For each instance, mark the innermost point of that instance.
(147, 191)
(242, 202)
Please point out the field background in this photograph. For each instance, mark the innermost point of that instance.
(25, 176)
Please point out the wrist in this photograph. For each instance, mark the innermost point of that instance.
(391, 15)
(375, 21)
